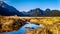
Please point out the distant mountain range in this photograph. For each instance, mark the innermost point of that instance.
(41, 13)
(7, 10)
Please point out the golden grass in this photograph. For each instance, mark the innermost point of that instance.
(51, 24)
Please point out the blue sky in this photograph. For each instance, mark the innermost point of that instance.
(26, 5)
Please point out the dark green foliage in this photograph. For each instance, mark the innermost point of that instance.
(55, 13)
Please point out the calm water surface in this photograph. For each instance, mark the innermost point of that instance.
(23, 29)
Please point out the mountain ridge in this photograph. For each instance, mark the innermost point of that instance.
(7, 10)
(10, 9)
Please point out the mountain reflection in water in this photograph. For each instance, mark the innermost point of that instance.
(23, 29)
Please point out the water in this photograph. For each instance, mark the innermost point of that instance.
(22, 30)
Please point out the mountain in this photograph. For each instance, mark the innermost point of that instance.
(5, 12)
(55, 13)
(35, 12)
(39, 12)
(47, 12)
(8, 10)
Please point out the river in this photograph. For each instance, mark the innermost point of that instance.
(23, 29)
